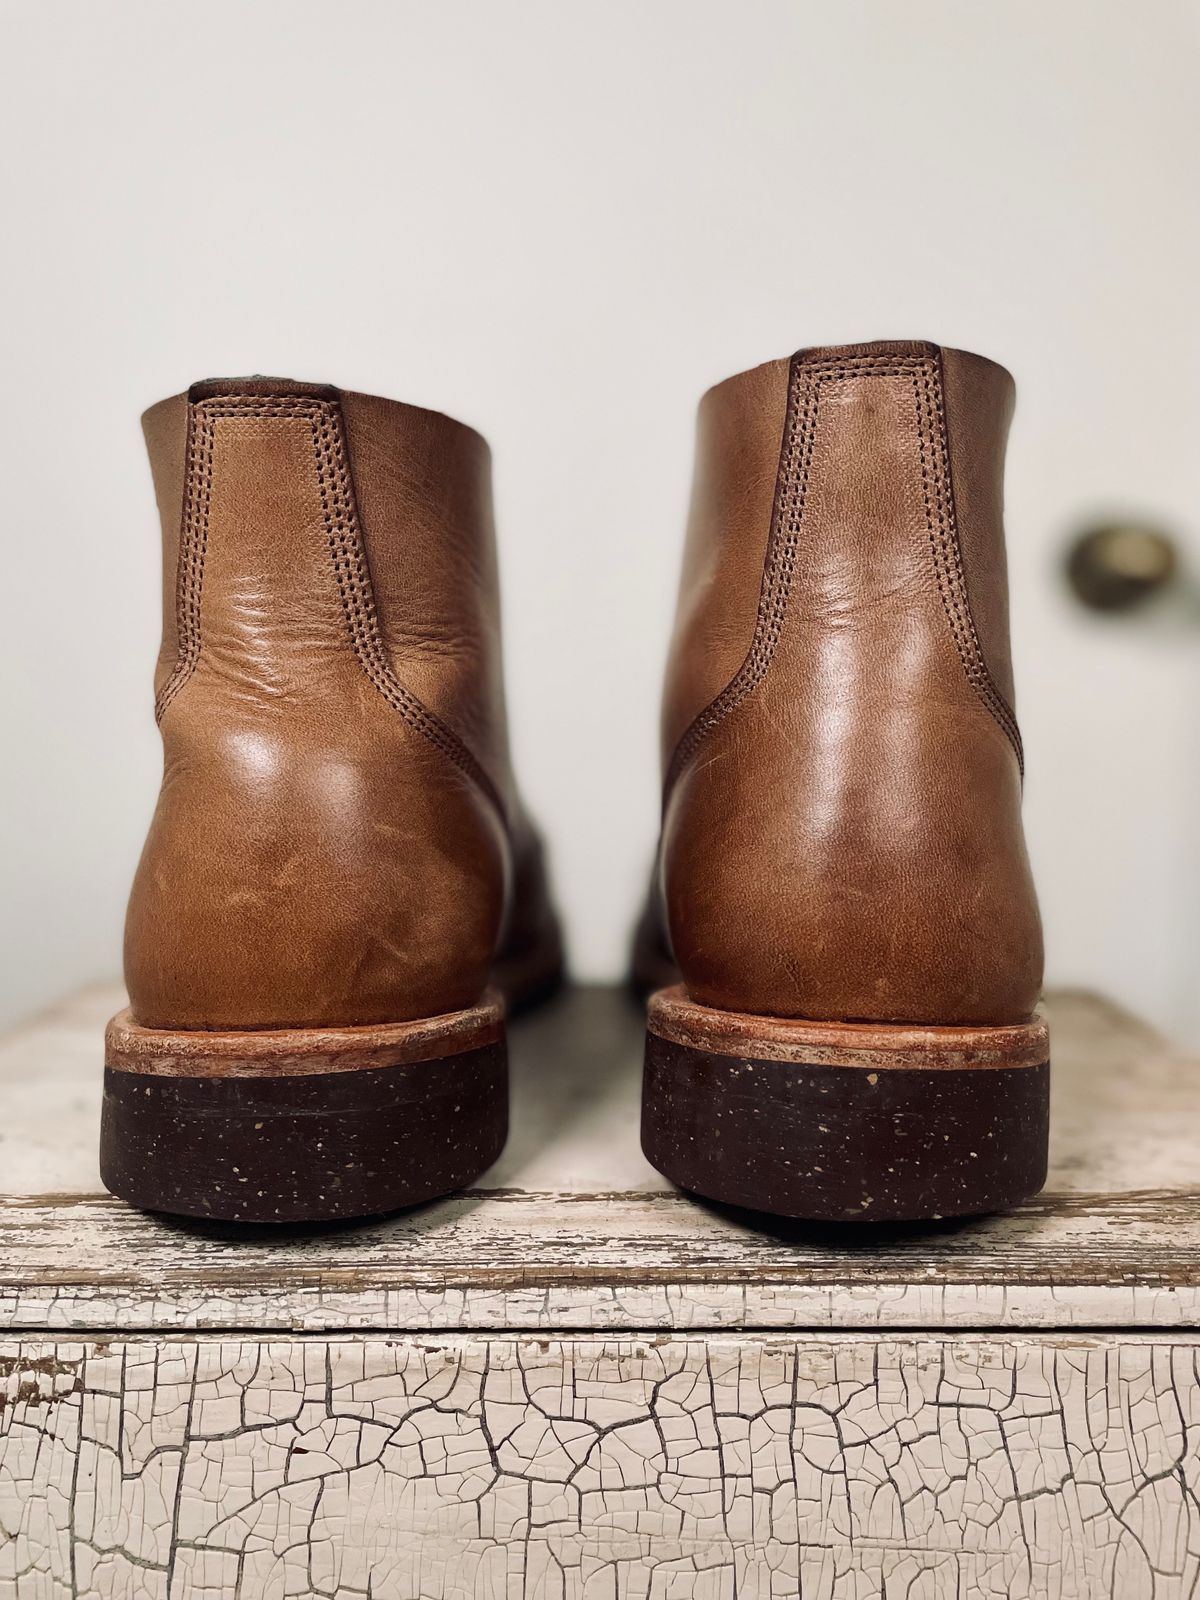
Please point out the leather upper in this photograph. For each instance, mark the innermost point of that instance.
(841, 835)
(338, 834)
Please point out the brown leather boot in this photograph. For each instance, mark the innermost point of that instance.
(338, 863)
(843, 881)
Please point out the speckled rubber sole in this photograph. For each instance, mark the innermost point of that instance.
(841, 1121)
(302, 1125)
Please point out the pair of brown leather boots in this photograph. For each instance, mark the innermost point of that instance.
(342, 893)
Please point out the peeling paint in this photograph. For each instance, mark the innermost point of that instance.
(561, 1260)
(825, 1468)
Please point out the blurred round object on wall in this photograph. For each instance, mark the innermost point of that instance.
(1117, 566)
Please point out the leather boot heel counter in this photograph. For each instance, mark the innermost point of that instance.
(259, 903)
(326, 849)
(842, 836)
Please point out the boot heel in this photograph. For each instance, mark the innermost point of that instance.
(844, 1121)
(305, 1124)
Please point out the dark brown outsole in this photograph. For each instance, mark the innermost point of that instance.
(837, 1122)
(302, 1125)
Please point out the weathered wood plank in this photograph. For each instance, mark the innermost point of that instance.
(574, 1230)
(516, 1259)
(833, 1468)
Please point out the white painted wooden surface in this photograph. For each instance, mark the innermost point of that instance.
(640, 1468)
(574, 1384)
(572, 1229)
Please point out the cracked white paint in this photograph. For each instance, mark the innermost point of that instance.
(645, 1468)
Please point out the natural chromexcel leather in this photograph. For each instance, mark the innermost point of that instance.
(842, 836)
(338, 838)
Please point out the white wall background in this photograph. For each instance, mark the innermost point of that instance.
(561, 222)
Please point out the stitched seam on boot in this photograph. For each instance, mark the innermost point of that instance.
(193, 545)
(947, 554)
(795, 459)
(358, 600)
(805, 382)
(343, 533)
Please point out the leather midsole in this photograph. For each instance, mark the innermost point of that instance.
(675, 1017)
(283, 1052)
